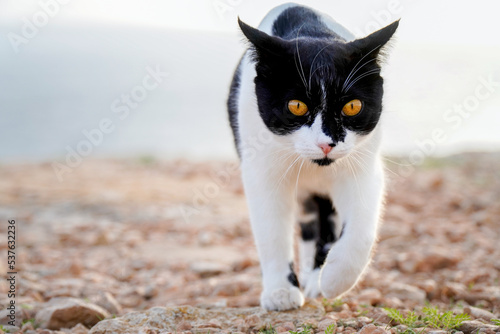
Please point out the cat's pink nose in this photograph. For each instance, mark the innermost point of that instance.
(326, 148)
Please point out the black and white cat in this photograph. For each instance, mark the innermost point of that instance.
(307, 98)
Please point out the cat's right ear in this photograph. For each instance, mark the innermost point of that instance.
(264, 44)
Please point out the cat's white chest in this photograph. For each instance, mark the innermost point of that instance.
(315, 180)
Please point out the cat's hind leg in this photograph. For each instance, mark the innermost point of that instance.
(318, 233)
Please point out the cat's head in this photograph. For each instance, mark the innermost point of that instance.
(320, 96)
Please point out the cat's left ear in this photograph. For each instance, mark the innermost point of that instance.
(373, 43)
(264, 44)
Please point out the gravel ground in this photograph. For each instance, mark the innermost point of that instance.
(122, 236)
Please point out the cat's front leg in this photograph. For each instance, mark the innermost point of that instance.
(358, 197)
(271, 203)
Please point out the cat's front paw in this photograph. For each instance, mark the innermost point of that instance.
(282, 299)
(337, 278)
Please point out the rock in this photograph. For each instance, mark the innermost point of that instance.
(107, 302)
(369, 297)
(241, 325)
(5, 316)
(473, 326)
(311, 323)
(454, 290)
(401, 328)
(437, 331)
(208, 269)
(184, 326)
(393, 302)
(27, 326)
(205, 238)
(345, 314)
(428, 285)
(407, 292)
(76, 267)
(130, 298)
(284, 327)
(213, 323)
(148, 291)
(353, 323)
(431, 260)
(68, 312)
(323, 324)
(167, 319)
(437, 258)
(79, 329)
(379, 315)
(289, 326)
(11, 329)
(349, 330)
(364, 320)
(479, 313)
(244, 264)
(372, 329)
(253, 321)
(407, 262)
(205, 330)
(281, 329)
(231, 288)
(487, 331)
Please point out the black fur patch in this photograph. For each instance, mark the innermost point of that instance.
(326, 229)
(292, 278)
(296, 18)
(309, 231)
(323, 162)
(321, 229)
(232, 105)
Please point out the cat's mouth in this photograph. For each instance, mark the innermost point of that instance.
(323, 162)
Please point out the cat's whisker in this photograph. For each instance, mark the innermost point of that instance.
(282, 178)
(359, 161)
(367, 153)
(303, 75)
(352, 75)
(354, 68)
(315, 72)
(298, 71)
(387, 168)
(370, 72)
(314, 59)
(395, 163)
(297, 182)
(350, 160)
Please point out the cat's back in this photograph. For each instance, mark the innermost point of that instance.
(291, 20)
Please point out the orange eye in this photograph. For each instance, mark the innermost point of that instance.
(298, 108)
(352, 108)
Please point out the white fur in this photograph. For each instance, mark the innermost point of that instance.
(280, 171)
(311, 285)
(307, 252)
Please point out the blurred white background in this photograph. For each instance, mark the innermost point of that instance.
(68, 65)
